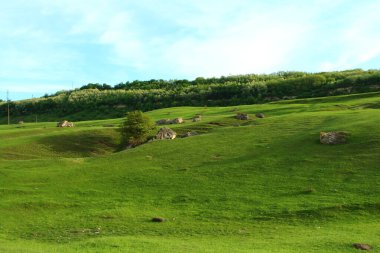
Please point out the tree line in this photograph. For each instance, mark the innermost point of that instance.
(96, 101)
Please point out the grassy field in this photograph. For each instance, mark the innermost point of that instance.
(262, 185)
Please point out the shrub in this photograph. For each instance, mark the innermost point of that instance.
(136, 128)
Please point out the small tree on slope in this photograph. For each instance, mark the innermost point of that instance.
(136, 128)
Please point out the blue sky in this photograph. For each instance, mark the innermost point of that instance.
(48, 46)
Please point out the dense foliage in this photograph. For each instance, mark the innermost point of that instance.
(103, 101)
(136, 128)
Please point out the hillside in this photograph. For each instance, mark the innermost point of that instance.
(102, 101)
(263, 185)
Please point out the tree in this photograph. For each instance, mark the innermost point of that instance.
(136, 128)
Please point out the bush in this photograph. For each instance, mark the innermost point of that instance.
(136, 128)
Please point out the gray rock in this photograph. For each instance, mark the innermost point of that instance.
(260, 115)
(177, 121)
(163, 122)
(332, 138)
(242, 116)
(65, 123)
(166, 133)
(189, 134)
(158, 219)
(362, 246)
(197, 118)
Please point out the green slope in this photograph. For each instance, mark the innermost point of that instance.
(265, 185)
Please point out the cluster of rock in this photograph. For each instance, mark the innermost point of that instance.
(65, 123)
(166, 133)
(245, 116)
(242, 116)
(170, 121)
(332, 138)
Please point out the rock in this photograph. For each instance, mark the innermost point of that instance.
(332, 137)
(177, 121)
(260, 115)
(242, 116)
(362, 246)
(189, 134)
(166, 133)
(168, 121)
(65, 123)
(163, 122)
(158, 219)
(197, 118)
(21, 122)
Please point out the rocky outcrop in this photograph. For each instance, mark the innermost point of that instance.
(242, 116)
(65, 123)
(177, 121)
(163, 121)
(166, 133)
(332, 138)
(170, 121)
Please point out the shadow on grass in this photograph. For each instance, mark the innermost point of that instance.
(323, 213)
(83, 143)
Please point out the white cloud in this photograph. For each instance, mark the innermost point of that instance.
(358, 42)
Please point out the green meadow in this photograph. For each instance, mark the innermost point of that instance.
(261, 185)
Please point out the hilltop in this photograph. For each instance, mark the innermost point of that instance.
(102, 101)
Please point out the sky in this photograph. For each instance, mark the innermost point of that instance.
(47, 46)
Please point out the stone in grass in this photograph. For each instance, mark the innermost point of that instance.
(242, 116)
(166, 133)
(362, 246)
(65, 123)
(163, 121)
(332, 138)
(158, 219)
(260, 115)
(197, 118)
(189, 134)
(177, 121)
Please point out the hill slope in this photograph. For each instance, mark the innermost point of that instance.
(265, 185)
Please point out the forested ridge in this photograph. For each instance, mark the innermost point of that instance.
(97, 101)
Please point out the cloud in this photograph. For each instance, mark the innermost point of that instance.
(357, 43)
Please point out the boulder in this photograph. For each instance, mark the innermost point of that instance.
(189, 134)
(166, 133)
(163, 122)
(362, 246)
(158, 219)
(177, 121)
(197, 118)
(332, 137)
(260, 115)
(168, 121)
(65, 123)
(242, 116)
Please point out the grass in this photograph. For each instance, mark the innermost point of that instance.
(263, 185)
